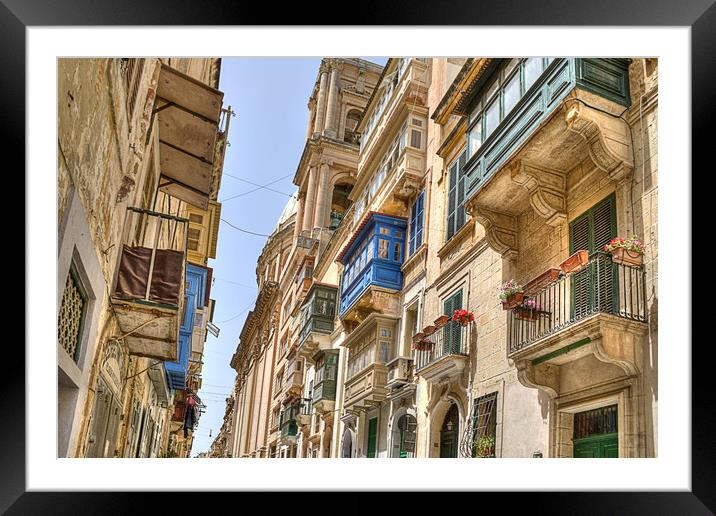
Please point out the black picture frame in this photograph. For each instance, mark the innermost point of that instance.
(700, 15)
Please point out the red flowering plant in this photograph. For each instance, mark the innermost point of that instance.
(463, 317)
(422, 343)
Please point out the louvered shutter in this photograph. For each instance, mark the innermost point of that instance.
(451, 331)
(602, 271)
(452, 199)
(579, 240)
(460, 215)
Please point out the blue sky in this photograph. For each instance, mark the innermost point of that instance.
(266, 138)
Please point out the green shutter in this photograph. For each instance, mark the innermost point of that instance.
(451, 331)
(593, 289)
(372, 437)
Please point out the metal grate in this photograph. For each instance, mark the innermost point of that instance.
(595, 422)
(481, 428)
(72, 309)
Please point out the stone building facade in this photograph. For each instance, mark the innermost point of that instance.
(140, 155)
(471, 173)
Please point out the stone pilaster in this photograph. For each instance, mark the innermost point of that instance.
(321, 106)
(332, 108)
(310, 204)
(323, 197)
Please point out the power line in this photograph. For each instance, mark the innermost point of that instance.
(265, 187)
(244, 230)
(234, 317)
(236, 283)
(255, 189)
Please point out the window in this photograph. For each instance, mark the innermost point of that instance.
(484, 426)
(415, 237)
(508, 86)
(456, 196)
(382, 248)
(72, 313)
(396, 251)
(452, 332)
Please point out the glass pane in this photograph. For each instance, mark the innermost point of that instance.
(533, 69)
(492, 117)
(475, 138)
(512, 93)
(382, 248)
(396, 252)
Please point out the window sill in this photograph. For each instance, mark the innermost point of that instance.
(458, 237)
(417, 255)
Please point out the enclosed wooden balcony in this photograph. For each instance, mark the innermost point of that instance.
(567, 113)
(148, 292)
(317, 315)
(446, 350)
(288, 423)
(367, 388)
(324, 387)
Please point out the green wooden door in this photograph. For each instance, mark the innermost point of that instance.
(594, 288)
(452, 330)
(372, 437)
(597, 447)
(449, 433)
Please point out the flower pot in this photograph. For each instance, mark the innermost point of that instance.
(422, 346)
(442, 321)
(526, 314)
(626, 257)
(513, 301)
(546, 278)
(576, 262)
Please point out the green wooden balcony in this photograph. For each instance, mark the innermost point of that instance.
(317, 315)
(324, 388)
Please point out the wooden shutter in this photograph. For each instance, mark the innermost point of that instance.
(452, 330)
(579, 240)
(452, 200)
(460, 215)
(593, 288)
(372, 437)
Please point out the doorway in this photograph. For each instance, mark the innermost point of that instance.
(596, 435)
(449, 433)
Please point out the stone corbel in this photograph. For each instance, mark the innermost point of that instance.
(500, 229)
(543, 376)
(606, 137)
(547, 190)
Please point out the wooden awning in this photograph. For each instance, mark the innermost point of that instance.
(188, 113)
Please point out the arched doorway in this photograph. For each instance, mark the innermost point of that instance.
(449, 433)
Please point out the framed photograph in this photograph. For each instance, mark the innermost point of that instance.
(429, 240)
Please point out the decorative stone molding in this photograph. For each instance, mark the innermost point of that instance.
(605, 136)
(500, 229)
(547, 189)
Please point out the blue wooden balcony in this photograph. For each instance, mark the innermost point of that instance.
(372, 258)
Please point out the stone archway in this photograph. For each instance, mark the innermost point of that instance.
(347, 444)
(437, 418)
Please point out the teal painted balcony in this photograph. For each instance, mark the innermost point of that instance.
(324, 387)
(288, 424)
(530, 124)
(317, 315)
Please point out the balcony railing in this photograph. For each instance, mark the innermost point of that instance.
(601, 287)
(446, 340)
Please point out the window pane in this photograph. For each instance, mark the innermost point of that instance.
(382, 248)
(533, 69)
(512, 93)
(396, 252)
(475, 138)
(492, 117)
(415, 139)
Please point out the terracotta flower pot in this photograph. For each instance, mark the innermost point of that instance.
(576, 262)
(546, 278)
(526, 314)
(442, 320)
(513, 301)
(626, 257)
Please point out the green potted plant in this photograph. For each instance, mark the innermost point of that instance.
(422, 343)
(463, 317)
(485, 446)
(511, 295)
(626, 251)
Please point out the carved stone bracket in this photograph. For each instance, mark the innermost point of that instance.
(500, 229)
(547, 190)
(606, 137)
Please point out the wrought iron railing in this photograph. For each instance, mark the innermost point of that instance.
(602, 286)
(448, 339)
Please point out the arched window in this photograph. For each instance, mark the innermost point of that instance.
(404, 433)
(352, 119)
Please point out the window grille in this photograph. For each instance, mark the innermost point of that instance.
(595, 422)
(72, 310)
(481, 428)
